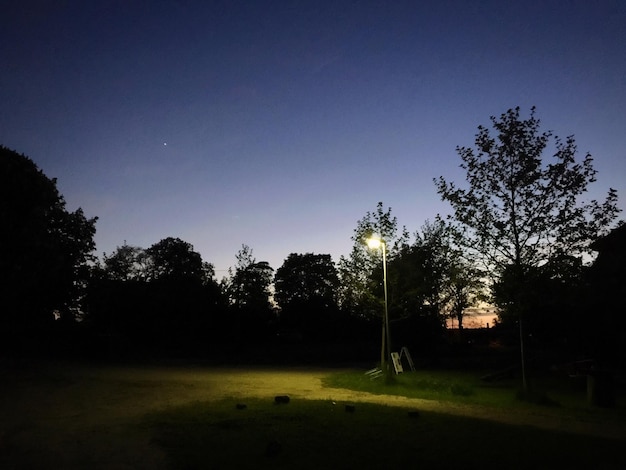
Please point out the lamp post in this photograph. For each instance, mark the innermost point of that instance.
(385, 352)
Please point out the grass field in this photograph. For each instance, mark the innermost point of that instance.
(58, 416)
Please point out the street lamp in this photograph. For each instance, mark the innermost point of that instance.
(385, 351)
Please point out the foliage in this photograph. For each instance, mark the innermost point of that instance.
(248, 291)
(46, 250)
(553, 296)
(361, 279)
(249, 284)
(175, 260)
(436, 254)
(433, 276)
(465, 289)
(305, 277)
(163, 299)
(519, 212)
(430, 280)
(305, 288)
(127, 263)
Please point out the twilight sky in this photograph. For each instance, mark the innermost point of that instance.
(279, 124)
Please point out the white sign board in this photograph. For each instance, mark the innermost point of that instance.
(397, 364)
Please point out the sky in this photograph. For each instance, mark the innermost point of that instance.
(280, 124)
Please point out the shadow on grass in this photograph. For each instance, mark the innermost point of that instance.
(323, 434)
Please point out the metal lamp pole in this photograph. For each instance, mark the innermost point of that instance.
(388, 334)
(385, 353)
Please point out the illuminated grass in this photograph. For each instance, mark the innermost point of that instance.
(429, 385)
(70, 417)
(320, 434)
(464, 387)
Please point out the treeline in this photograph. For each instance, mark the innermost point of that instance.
(165, 300)
(59, 297)
(519, 237)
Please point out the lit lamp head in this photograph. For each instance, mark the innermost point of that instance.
(374, 243)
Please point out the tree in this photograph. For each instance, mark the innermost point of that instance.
(46, 250)
(361, 290)
(520, 212)
(429, 281)
(305, 288)
(433, 276)
(126, 263)
(553, 296)
(303, 278)
(363, 287)
(174, 259)
(437, 255)
(465, 288)
(249, 284)
(249, 292)
(163, 299)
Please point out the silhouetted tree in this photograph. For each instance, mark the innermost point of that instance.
(45, 250)
(433, 277)
(553, 295)
(520, 212)
(162, 300)
(465, 288)
(305, 288)
(248, 289)
(175, 259)
(361, 290)
(127, 263)
(435, 256)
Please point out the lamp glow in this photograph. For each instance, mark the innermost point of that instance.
(374, 243)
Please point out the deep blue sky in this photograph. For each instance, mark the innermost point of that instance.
(279, 124)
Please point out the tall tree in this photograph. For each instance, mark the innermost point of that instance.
(430, 280)
(553, 296)
(249, 291)
(305, 288)
(520, 212)
(175, 259)
(305, 277)
(162, 299)
(45, 249)
(433, 276)
(434, 244)
(465, 288)
(249, 284)
(361, 290)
